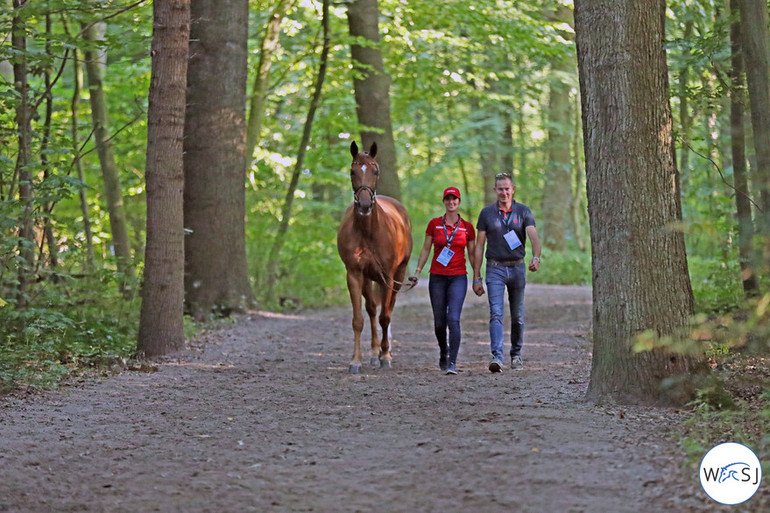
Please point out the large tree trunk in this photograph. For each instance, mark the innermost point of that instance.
(110, 174)
(161, 321)
(24, 138)
(216, 273)
(740, 173)
(283, 228)
(372, 92)
(754, 39)
(640, 275)
(259, 91)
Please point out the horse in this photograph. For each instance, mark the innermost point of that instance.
(374, 242)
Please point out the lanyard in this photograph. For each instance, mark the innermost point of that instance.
(506, 222)
(454, 232)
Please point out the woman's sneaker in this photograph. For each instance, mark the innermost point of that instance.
(442, 361)
(451, 368)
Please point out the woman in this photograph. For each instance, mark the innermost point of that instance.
(450, 237)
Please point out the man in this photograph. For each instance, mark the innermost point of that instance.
(505, 224)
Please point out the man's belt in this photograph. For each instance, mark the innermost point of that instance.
(504, 263)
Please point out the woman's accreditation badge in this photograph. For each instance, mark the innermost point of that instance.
(445, 256)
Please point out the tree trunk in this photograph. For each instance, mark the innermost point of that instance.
(216, 273)
(24, 138)
(259, 91)
(640, 275)
(557, 191)
(372, 86)
(578, 181)
(754, 39)
(740, 173)
(685, 120)
(112, 188)
(275, 250)
(161, 321)
(50, 238)
(77, 83)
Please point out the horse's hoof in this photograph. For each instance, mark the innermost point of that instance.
(373, 361)
(385, 364)
(354, 369)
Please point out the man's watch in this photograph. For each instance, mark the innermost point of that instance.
(536, 258)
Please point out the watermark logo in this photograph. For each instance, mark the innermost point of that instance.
(730, 473)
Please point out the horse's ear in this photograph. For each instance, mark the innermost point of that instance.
(353, 149)
(373, 150)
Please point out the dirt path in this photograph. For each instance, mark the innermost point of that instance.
(264, 417)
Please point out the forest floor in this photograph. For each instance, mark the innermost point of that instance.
(263, 416)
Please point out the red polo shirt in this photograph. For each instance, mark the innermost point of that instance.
(465, 233)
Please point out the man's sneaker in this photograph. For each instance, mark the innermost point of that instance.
(516, 362)
(495, 365)
(451, 368)
(442, 361)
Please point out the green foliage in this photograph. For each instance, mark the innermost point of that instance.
(738, 381)
(68, 329)
(564, 268)
(716, 284)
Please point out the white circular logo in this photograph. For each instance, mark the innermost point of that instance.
(730, 473)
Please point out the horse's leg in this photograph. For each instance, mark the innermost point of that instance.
(355, 282)
(371, 302)
(388, 301)
(388, 304)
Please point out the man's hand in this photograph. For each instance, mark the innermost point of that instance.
(534, 264)
(478, 288)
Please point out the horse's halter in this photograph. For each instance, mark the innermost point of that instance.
(364, 187)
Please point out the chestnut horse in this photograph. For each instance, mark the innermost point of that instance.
(375, 242)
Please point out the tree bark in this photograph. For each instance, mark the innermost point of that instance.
(372, 92)
(640, 275)
(161, 321)
(216, 272)
(259, 90)
(112, 188)
(275, 250)
(754, 39)
(738, 147)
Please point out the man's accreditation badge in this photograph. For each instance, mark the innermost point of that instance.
(512, 239)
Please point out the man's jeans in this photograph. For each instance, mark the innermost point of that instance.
(498, 279)
(447, 294)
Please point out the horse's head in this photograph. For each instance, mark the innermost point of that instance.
(364, 172)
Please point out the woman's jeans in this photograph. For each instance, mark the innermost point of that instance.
(447, 294)
(498, 280)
